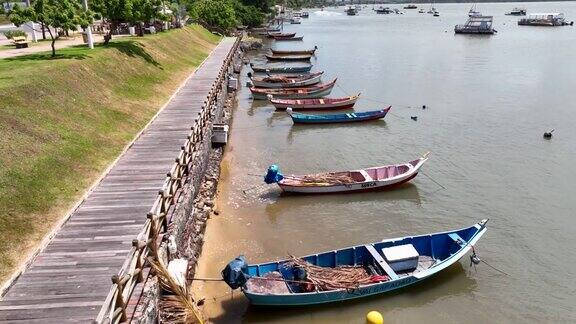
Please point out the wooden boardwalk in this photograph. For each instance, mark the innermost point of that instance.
(69, 280)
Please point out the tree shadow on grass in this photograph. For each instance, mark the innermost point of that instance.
(135, 49)
(47, 56)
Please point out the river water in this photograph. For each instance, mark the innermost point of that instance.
(489, 99)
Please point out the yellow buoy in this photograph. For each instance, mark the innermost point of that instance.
(374, 317)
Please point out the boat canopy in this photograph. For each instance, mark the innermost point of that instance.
(545, 15)
(479, 21)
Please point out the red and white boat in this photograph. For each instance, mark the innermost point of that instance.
(376, 178)
(315, 104)
(282, 81)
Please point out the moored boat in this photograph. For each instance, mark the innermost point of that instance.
(351, 11)
(303, 57)
(265, 30)
(377, 268)
(517, 12)
(299, 118)
(294, 52)
(476, 25)
(315, 104)
(275, 81)
(295, 38)
(411, 6)
(273, 35)
(315, 91)
(544, 19)
(473, 12)
(375, 178)
(295, 21)
(281, 68)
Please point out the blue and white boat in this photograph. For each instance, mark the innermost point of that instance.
(299, 118)
(393, 264)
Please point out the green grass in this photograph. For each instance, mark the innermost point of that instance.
(64, 119)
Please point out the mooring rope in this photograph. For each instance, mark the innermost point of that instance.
(377, 101)
(474, 260)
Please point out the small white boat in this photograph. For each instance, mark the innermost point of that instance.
(473, 12)
(369, 179)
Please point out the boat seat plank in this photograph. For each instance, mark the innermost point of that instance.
(366, 175)
(381, 262)
(457, 239)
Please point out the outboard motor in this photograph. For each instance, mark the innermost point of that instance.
(235, 273)
(273, 175)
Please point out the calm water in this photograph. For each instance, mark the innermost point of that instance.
(489, 98)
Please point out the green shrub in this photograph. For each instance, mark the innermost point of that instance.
(248, 15)
(215, 13)
(10, 34)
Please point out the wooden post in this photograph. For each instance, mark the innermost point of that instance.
(120, 298)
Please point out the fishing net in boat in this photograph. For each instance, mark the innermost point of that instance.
(270, 283)
(326, 178)
(326, 278)
(277, 79)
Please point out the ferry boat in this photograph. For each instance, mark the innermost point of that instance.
(544, 19)
(517, 12)
(476, 25)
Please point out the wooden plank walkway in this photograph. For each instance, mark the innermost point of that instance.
(69, 280)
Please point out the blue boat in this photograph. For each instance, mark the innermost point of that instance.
(274, 68)
(299, 118)
(392, 264)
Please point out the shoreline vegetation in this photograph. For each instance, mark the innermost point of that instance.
(65, 119)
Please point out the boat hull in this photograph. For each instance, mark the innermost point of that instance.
(296, 84)
(286, 69)
(354, 118)
(292, 185)
(275, 58)
(352, 188)
(308, 95)
(446, 248)
(303, 52)
(298, 38)
(294, 93)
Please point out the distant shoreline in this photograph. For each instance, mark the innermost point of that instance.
(444, 1)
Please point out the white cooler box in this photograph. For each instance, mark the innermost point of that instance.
(401, 257)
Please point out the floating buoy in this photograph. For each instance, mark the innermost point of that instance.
(414, 118)
(374, 317)
(423, 106)
(548, 135)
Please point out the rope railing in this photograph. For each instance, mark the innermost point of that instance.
(131, 273)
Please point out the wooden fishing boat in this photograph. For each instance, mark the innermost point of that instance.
(304, 57)
(378, 268)
(315, 91)
(264, 31)
(272, 35)
(276, 81)
(281, 68)
(298, 118)
(315, 104)
(375, 178)
(295, 38)
(294, 52)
